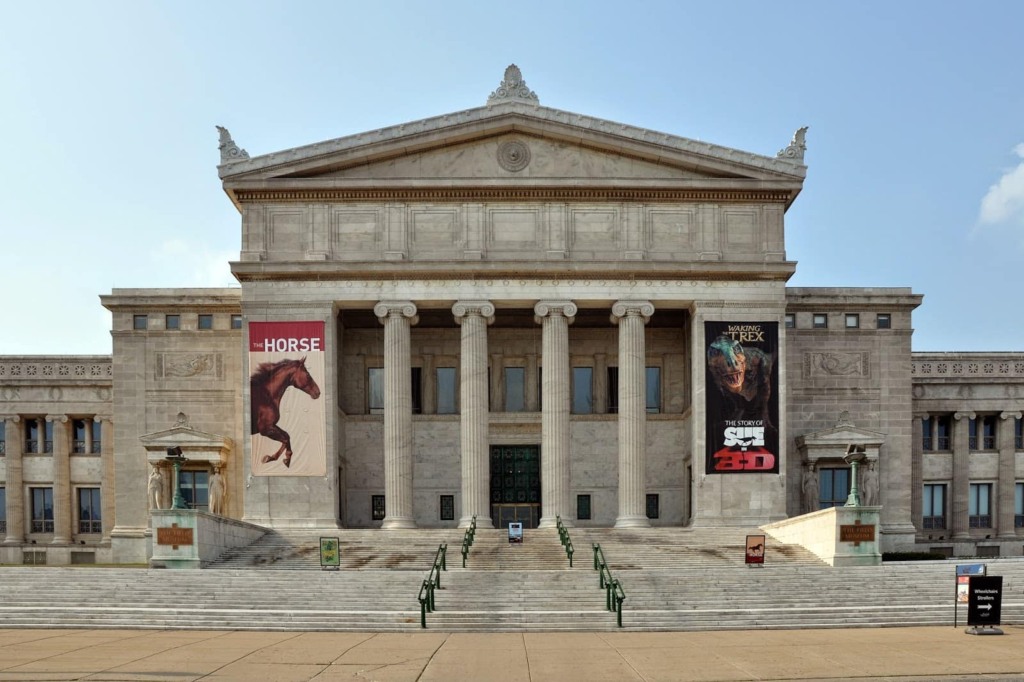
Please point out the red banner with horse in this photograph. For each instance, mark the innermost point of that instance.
(288, 420)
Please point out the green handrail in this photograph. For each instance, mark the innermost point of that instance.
(431, 583)
(563, 537)
(614, 594)
(467, 540)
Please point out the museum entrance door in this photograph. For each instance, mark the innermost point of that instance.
(515, 485)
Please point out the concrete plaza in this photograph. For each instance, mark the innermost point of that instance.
(903, 654)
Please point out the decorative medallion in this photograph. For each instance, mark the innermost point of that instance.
(513, 155)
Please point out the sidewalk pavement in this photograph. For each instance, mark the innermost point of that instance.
(904, 654)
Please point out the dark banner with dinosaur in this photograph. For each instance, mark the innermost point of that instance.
(742, 397)
(289, 426)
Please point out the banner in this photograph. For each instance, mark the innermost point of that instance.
(289, 425)
(741, 397)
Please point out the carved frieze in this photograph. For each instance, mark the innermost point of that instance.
(62, 371)
(832, 364)
(186, 365)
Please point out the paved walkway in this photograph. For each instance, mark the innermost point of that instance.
(902, 654)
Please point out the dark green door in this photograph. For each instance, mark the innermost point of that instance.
(515, 485)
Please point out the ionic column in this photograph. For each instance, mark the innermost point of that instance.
(600, 383)
(1005, 491)
(631, 316)
(397, 318)
(960, 497)
(473, 317)
(916, 469)
(62, 502)
(107, 482)
(532, 399)
(15, 434)
(555, 316)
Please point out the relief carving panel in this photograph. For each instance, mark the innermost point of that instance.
(670, 230)
(835, 364)
(513, 229)
(355, 231)
(189, 365)
(594, 229)
(741, 228)
(434, 230)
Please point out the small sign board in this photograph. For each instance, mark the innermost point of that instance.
(330, 554)
(963, 579)
(515, 532)
(985, 602)
(857, 533)
(755, 549)
(174, 535)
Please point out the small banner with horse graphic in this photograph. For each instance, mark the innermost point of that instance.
(289, 424)
(742, 397)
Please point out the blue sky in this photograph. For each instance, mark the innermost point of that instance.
(108, 156)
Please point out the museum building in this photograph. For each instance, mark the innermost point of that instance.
(512, 313)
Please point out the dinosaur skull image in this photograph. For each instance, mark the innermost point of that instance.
(728, 363)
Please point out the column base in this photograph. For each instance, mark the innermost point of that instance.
(61, 541)
(548, 522)
(398, 523)
(12, 540)
(633, 521)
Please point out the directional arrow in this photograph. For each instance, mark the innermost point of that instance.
(987, 607)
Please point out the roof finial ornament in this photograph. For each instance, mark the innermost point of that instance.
(513, 87)
(844, 417)
(795, 150)
(229, 151)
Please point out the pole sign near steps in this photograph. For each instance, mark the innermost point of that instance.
(963, 581)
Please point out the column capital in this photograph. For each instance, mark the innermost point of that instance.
(544, 309)
(1009, 415)
(62, 418)
(622, 309)
(10, 418)
(103, 418)
(463, 309)
(964, 415)
(386, 309)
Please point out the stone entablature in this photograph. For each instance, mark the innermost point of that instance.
(58, 369)
(967, 367)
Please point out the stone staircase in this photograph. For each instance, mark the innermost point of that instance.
(674, 579)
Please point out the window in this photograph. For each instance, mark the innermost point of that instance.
(446, 391)
(981, 433)
(515, 389)
(90, 515)
(3, 437)
(613, 390)
(927, 427)
(375, 385)
(172, 322)
(236, 321)
(933, 510)
(833, 487)
(3, 510)
(42, 510)
(820, 321)
(195, 488)
(206, 321)
(653, 511)
(416, 388)
(47, 436)
(1018, 434)
(447, 507)
(582, 390)
(140, 322)
(942, 430)
(790, 320)
(852, 321)
(979, 506)
(583, 507)
(972, 434)
(653, 389)
(97, 437)
(377, 507)
(85, 436)
(38, 436)
(1018, 505)
(883, 321)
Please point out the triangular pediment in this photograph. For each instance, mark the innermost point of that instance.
(195, 445)
(841, 436)
(513, 144)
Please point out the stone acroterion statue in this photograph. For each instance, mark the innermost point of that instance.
(156, 489)
(218, 492)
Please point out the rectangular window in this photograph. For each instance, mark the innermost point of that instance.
(988, 432)
(375, 389)
(583, 507)
(979, 506)
(236, 321)
(90, 514)
(1018, 434)
(852, 321)
(206, 321)
(790, 320)
(653, 510)
(97, 437)
(883, 321)
(613, 390)
(927, 427)
(195, 488)
(3, 437)
(582, 390)
(48, 436)
(933, 511)
(1018, 505)
(820, 321)
(31, 436)
(833, 487)
(447, 507)
(515, 389)
(942, 431)
(140, 322)
(42, 510)
(172, 322)
(653, 389)
(377, 507)
(3, 510)
(446, 391)
(79, 437)
(416, 387)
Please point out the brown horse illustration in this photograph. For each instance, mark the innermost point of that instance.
(267, 387)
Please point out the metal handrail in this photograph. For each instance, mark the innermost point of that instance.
(431, 583)
(467, 541)
(563, 537)
(614, 594)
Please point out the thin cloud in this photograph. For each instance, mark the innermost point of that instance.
(1004, 201)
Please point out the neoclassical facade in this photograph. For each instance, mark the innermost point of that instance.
(513, 313)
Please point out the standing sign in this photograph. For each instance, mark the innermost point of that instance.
(985, 600)
(755, 549)
(515, 532)
(330, 554)
(963, 580)
(741, 397)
